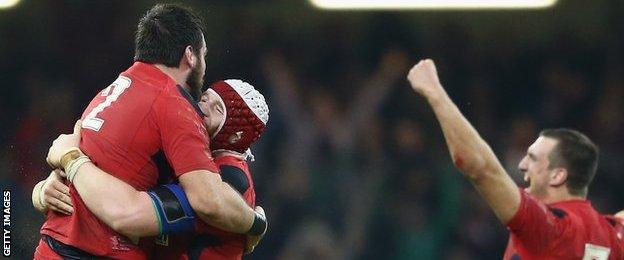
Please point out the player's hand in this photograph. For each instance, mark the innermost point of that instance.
(55, 194)
(252, 241)
(63, 144)
(620, 215)
(424, 79)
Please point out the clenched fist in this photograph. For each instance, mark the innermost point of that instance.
(424, 79)
(253, 241)
(62, 145)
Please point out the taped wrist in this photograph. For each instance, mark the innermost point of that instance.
(72, 167)
(36, 197)
(173, 209)
(259, 225)
(70, 155)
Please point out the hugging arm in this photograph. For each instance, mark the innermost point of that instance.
(136, 213)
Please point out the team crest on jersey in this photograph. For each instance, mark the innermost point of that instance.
(162, 240)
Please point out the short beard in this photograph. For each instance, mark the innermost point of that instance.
(195, 82)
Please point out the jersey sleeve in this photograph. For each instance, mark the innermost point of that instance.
(536, 225)
(184, 137)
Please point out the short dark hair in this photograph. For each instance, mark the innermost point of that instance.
(578, 154)
(164, 32)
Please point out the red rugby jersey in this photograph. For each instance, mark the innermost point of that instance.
(208, 242)
(570, 229)
(139, 115)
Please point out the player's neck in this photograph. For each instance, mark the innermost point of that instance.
(177, 74)
(561, 194)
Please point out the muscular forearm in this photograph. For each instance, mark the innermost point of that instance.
(470, 153)
(216, 203)
(116, 203)
(236, 216)
(475, 159)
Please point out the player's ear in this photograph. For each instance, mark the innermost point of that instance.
(235, 137)
(558, 176)
(189, 58)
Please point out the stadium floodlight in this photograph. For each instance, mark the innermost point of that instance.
(8, 3)
(432, 4)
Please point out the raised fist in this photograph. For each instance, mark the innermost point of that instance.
(424, 78)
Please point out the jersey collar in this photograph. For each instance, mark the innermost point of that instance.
(191, 100)
(151, 73)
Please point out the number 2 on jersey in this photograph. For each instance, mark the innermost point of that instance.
(112, 92)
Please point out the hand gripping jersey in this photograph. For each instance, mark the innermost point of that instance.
(570, 229)
(209, 242)
(141, 114)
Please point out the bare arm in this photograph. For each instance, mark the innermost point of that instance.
(375, 89)
(130, 212)
(116, 203)
(285, 89)
(124, 210)
(470, 153)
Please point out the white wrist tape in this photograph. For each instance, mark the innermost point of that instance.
(36, 196)
(74, 165)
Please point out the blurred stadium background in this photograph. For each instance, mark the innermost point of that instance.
(353, 165)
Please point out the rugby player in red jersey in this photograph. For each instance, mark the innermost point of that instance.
(247, 114)
(245, 117)
(147, 111)
(552, 218)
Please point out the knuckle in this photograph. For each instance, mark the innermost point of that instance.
(56, 184)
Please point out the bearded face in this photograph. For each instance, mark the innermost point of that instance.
(195, 80)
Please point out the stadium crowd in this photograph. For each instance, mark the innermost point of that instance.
(350, 166)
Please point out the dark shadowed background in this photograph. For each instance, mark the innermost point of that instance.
(352, 165)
